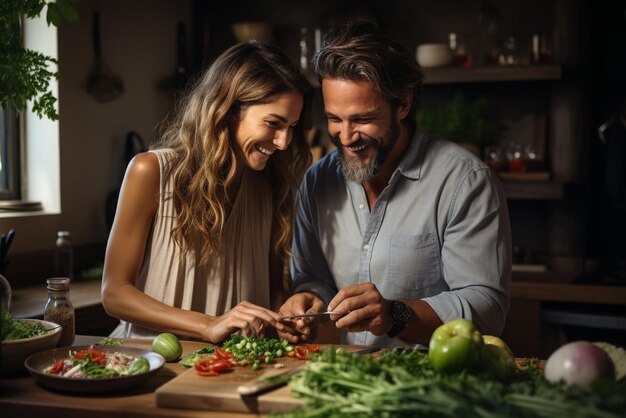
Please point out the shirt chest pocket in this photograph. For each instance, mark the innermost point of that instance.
(415, 266)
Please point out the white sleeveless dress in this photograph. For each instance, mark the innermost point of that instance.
(240, 272)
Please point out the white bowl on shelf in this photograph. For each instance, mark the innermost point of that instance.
(433, 55)
(247, 31)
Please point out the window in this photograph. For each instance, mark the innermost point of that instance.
(29, 145)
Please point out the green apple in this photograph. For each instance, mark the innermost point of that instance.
(455, 346)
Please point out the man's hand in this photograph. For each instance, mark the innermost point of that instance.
(303, 329)
(368, 310)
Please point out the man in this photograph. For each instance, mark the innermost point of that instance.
(394, 232)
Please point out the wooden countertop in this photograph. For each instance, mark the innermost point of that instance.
(21, 396)
(28, 302)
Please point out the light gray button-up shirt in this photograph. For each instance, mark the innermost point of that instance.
(438, 232)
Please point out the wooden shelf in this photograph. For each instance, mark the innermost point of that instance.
(537, 190)
(450, 75)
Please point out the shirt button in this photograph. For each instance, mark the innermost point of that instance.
(366, 247)
(361, 206)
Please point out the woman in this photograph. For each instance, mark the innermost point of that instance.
(204, 220)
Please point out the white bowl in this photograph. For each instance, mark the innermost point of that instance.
(14, 352)
(433, 55)
(247, 31)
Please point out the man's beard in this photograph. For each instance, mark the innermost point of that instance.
(355, 170)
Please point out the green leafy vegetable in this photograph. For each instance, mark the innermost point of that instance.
(108, 341)
(253, 351)
(15, 329)
(94, 370)
(404, 384)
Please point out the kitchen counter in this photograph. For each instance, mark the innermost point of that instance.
(28, 302)
(21, 396)
(91, 318)
(541, 312)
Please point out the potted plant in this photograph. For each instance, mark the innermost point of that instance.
(460, 120)
(24, 73)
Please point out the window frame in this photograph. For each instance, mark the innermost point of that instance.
(10, 155)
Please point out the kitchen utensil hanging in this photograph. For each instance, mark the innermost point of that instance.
(102, 84)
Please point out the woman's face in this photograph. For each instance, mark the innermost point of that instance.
(266, 128)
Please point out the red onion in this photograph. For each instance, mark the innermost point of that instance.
(579, 363)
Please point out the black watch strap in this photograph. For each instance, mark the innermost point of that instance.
(401, 313)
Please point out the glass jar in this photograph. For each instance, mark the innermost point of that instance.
(59, 309)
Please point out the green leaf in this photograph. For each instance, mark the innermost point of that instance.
(52, 15)
(67, 10)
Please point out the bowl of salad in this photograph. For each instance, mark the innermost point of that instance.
(24, 337)
(93, 368)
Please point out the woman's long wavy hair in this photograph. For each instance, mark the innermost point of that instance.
(202, 136)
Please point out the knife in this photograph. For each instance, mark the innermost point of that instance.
(264, 384)
(308, 315)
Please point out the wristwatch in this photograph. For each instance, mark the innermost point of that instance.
(401, 313)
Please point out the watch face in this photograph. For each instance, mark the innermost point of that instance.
(401, 312)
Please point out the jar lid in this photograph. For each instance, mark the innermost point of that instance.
(58, 283)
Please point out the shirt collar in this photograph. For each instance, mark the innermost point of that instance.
(411, 163)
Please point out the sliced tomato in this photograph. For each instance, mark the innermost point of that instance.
(57, 368)
(301, 352)
(96, 356)
(211, 367)
(223, 354)
(313, 348)
(227, 356)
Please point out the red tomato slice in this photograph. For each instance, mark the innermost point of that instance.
(227, 356)
(313, 348)
(96, 356)
(223, 354)
(57, 368)
(211, 367)
(301, 352)
(219, 366)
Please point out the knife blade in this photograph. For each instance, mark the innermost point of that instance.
(266, 383)
(308, 315)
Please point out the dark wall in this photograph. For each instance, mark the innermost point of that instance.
(606, 90)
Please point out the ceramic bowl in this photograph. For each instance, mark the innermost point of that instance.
(37, 363)
(246, 31)
(14, 352)
(433, 55)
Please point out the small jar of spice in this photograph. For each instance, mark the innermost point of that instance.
(59, 309)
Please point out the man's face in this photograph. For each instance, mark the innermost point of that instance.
(361, 124)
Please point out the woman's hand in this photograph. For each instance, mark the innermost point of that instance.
(250, 319)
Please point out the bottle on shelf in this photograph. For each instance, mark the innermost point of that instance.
(59, 309)
(64, 256)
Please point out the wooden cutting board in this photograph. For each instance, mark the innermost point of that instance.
(219, 393)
